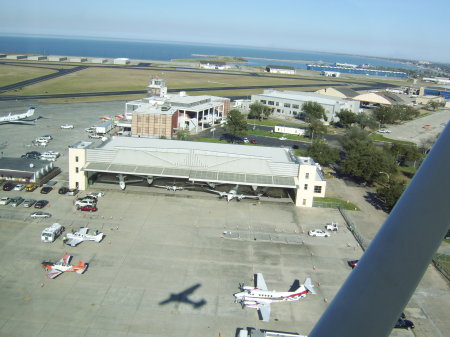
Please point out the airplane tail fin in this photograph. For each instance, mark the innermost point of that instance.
(30, 111)
(99, 237)
(295, 286)
(81, 267)
(309, 286)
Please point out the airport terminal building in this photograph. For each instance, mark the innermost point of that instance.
(259, 167)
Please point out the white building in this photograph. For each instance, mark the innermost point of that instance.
(37, 58)
(77, 59)
(57, 58)
(275, 69)
(121, 60)
(289, 103)
(99, 60)
(258, 167)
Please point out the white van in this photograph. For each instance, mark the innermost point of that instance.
(49, 234)
(48, 156)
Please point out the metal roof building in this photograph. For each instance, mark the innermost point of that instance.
(24, 170)
(255, 166)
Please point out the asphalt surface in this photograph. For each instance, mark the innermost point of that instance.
(165, 268)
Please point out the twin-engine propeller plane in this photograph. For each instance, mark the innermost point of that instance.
(20, 118)
(259, 297)
(74, 239)
(232, 194)
(63, 265)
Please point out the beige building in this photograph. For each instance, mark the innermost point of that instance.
(338, 92)
(126, 159)
(162, 114)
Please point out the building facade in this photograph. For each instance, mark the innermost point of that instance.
(258, 167)
(289, 103)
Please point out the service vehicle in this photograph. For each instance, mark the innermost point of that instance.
(95, 135)
(319, 232)
(332, 226)
(36, 215)
(48, 156)
(16, 201)
(50, 234)
(29, 202)
(5, 200)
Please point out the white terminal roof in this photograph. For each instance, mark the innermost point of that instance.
(301, 96)
(196, 161)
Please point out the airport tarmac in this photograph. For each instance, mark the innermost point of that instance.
(159, 245)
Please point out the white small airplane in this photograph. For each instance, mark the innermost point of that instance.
(232, 194)
(82, 235)
(19, 118)
(170, 187)
(259, 297)
(63, 265)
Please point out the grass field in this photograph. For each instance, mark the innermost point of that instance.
(13, 74)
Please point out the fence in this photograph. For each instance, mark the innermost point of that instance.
(442, 263)
(351, 226)
(326, 204)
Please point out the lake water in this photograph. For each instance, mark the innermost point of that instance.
(167, 51)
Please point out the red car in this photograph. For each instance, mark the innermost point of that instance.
(8, 186)
(88, 209)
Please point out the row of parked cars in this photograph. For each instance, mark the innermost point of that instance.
(88, 203)
(48, 155)
(16, 201)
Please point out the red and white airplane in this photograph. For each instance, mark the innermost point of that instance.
(63, 265)
(259, 297)
(105, 118)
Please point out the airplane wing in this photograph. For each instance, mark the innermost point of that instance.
(74, 241)
(83, 230)
(221, 194)
(264, 311)
(260, 283)
(66, 258)
(159, 186)
(243, 196)
(54, 273)
(23, 122)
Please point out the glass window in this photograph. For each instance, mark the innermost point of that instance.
(76, 169)
(271, 102)
(305, 187)
(307, 175)
(287, 105)
(294, 106)
(263, 101)
(317, 189)
(304, 202)
(76, 159)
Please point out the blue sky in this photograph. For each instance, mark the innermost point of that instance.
(391, 28)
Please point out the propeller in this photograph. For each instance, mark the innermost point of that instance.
(241, 286)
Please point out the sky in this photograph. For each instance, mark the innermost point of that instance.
(410, 29)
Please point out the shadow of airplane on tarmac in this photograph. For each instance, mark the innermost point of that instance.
(183, 297)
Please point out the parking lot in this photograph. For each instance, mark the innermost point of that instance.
(157, 246)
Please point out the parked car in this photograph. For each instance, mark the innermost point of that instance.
(30, 187)
(95, 135)
(282, 138)
(48, 137)
(5, 201)
(253, 141)
(41, 203)
(97, 194)
(384, 131)
(46, 189)
(67, 126)
(92, 208)
(8, 186)
(90, 129)
(40, 215)
(72, 191)
(319, 232)
(63, 190)
(332, 226)
(88, 197)
(352, 263)
(85, 202)
(246, 140)
(19, 187)
(404, 324)
(16, 201)
(29, 202)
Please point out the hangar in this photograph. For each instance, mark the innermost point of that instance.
(126, 158)
(24, 170)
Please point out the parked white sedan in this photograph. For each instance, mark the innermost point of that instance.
(19, 187)
(67, 126)
(319, 232)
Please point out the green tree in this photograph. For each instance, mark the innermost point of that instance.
(313, 110)
(346, 117)
(390, 193)
(384, 115)
(433, 105)
(183, 134)
(405, 153)
(322, 152)
(236, 124)
(362, 159)
(394, 113)
(366, 121)
(316, 129)
(259, 110)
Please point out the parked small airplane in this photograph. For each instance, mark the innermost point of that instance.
(105, 118)
(170, 187)
(19, 118)
(82, 235)
(123, 180)
(63, 265)
(259, 297)
(232, 194)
